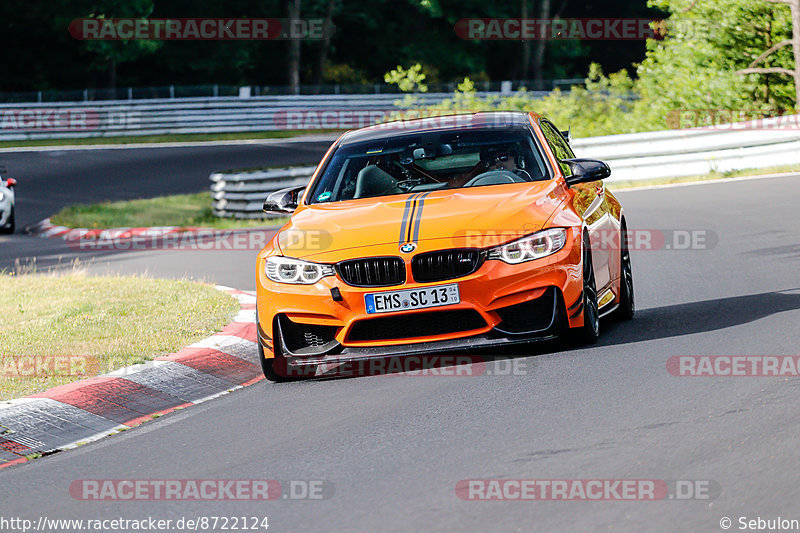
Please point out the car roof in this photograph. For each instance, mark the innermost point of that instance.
(454, 122)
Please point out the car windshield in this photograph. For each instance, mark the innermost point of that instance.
(429, 162)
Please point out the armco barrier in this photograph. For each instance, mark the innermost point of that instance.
(686, 152)
(637, 156)
(200, 115)
(242, 195)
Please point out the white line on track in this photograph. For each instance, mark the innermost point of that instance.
(703, 182)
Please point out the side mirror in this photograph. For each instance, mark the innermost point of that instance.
(586, 170)
(284, 200)
(11, 182)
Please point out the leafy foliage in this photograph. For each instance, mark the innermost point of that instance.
(603, 106)
(695, 67)
(370, 38)
(110, 53)
(407, 80)
(692, 73)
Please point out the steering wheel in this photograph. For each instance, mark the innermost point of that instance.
(399, 187)
(528, 174)
(493, 177)
(401, 183)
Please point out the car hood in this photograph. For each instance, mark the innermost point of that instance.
(472, 217)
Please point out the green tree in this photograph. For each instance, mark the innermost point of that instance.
(708, 42)
(109, 54)
(794, 6)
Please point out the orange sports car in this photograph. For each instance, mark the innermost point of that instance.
(435, 235)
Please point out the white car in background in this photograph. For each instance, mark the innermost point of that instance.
(7, 204)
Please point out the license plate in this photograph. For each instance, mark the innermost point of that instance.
(386, 302)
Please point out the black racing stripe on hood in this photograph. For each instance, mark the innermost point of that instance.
(410, 203)
(418, 218)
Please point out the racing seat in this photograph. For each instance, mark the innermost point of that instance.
(372, 181)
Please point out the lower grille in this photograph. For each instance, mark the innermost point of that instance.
(373, 271)
(446, 264)
(299, 336)
(416, 325)
(531, 316)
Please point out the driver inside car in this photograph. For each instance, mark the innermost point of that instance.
(388, 175)
(504, 162)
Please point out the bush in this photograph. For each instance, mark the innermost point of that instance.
(603, 107)
(689, 78)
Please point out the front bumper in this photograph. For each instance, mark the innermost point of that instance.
(488, 294)
(550, 323)
(6, 205)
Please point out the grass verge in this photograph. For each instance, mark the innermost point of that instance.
(147, 139)
(191, 210)
(59, 328)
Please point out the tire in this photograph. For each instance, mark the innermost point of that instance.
(9, 227)
(268, 366)
(590, 331)
(627, 303)
(275, 368)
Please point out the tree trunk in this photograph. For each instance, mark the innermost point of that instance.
(541, 47)
(294, 49)
(324, 44)
(112, 73)
(526, 46)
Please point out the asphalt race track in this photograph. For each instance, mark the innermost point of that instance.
(394, 448)
(50, 179)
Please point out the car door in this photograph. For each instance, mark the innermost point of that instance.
(590, 203)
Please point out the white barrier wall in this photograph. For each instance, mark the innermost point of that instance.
(686, 152)
(638, 156)
(200, 115)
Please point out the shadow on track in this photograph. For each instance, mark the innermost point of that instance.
(649, 324)
(699, 317)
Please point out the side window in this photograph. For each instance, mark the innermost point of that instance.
(559, 146)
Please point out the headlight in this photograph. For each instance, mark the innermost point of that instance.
(288, 270)
(536, 246)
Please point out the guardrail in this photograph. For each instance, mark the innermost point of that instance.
(241, 195)
(637, 156)
(221, 90)
(686, 152)
(202, 115)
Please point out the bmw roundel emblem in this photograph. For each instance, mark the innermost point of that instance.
(408, 247)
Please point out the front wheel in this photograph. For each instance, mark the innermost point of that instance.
(590, 331)
(9, 227)
(268, 366)
(627, 305)
(276, 368)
